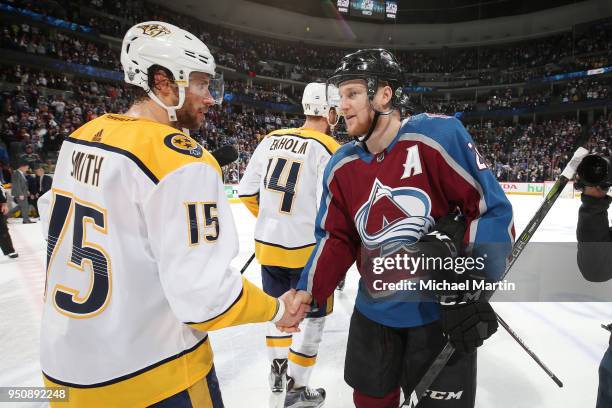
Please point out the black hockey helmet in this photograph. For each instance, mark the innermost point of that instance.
(372, 65)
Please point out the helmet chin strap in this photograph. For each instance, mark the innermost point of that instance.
(377, 114)
(171, 110)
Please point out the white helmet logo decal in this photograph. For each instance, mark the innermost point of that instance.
(154, 30)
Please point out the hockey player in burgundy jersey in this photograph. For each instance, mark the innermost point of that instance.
(395, 186)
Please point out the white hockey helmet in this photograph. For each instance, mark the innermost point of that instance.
(315, 102)
(158, 43)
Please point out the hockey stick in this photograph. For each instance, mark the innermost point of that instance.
(246, 265)
(442, 359)
(531, 353)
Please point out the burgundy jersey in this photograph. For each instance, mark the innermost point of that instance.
(377, 205)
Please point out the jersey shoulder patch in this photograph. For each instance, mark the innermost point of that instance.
(179, 142)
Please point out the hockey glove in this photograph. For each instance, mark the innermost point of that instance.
(447, 237)
(445, 241)
(468, 325)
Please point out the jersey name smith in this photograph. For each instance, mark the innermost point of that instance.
(86, 167)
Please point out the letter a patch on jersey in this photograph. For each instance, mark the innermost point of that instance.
(412, 167)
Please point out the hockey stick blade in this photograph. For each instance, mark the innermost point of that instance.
(440, 362)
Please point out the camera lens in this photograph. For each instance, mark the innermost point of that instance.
(594, 170)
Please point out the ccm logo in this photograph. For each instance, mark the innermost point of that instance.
(443, 395)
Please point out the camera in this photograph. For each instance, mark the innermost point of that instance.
(595, 170)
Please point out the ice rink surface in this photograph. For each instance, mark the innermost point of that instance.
(566, 336)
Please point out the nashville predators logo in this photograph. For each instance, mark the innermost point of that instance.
(183, 144)
(154, 30)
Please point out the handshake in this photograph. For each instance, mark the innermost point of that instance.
(296, 306)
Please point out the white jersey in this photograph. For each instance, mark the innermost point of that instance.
(140, 238)
(282, 186)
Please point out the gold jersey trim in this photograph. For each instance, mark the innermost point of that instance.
(251, 306)
(328, 142)
(157, 149)
(144, 387)
(274, 255)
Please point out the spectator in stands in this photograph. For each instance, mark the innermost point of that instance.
(6, 244)
(5, 173)
(20, 193)
(29, 156)
(26, 117)
(38, 185)
(3, 152)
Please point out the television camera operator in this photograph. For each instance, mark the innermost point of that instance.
(595, 243)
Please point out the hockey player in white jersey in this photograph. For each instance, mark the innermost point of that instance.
(282, 187)
(140, 240)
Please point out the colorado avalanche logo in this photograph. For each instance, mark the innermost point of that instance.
(393, 218)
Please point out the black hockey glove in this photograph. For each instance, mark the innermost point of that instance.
(446, 240)
(443, 243)
(468, 325)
